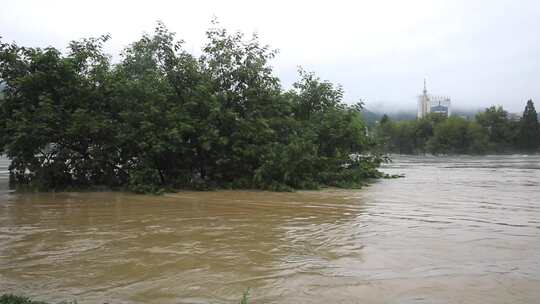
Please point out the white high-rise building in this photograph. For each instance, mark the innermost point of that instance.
(432, 104)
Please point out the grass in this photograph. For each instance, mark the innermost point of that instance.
(244, 299)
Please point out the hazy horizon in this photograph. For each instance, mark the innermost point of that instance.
(479, 53)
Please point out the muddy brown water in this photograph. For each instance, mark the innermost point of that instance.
(454, 230)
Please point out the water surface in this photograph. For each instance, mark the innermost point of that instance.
(453, 230)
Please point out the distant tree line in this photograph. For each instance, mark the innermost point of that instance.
(491, 131)
(164, 118)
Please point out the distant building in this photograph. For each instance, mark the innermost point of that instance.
(514, 116)
(433, 104)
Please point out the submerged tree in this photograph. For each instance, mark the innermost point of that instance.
(163, 118)
(57, 116)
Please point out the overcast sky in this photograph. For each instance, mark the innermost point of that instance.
(478, 52)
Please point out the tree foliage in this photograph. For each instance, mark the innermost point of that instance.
(164, 118)
(491, 131)
(528, 137)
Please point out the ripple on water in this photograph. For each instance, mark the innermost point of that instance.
(468, 224)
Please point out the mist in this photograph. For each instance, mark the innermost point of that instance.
(479, 53)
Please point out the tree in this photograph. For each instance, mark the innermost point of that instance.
(528, 137)
(323, 138)
(498, 126)
(491, 131)
(478, 139)
(249, 102)
(56, 115)
(423, 131)
(165, 100)
(449, 137)
(384, 119)
(163, 118)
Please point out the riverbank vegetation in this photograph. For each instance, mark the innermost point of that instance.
(13, 299)
(162, 118)
(491, 131)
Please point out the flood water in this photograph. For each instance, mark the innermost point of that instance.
(454, 230)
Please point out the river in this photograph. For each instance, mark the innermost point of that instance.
(453, 230)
